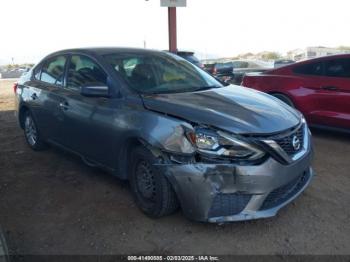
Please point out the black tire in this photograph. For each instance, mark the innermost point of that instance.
(284, 99)
(152, 191)
(4, 254)
(32, 133)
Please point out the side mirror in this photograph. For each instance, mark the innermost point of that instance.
(95, 91)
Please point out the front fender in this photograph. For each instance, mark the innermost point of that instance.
(159, 130)
(154, 130)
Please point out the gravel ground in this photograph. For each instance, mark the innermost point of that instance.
(51, 203)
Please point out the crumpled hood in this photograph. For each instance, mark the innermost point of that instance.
(232, 108)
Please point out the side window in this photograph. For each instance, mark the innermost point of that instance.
(37, 72)
(129, 65)
(337, 68)
(310, 69)
(83, 71)
(53, 70)
(139, 72)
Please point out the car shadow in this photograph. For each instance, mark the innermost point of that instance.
(330, 134)
(12, 140)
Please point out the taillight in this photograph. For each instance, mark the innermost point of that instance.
(215, 70)
(15, 85)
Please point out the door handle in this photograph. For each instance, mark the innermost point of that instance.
(34, 96)
(64, 105)
(329, 88)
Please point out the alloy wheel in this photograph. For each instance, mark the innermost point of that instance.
(30, 130)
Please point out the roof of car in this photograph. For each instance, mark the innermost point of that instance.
(327, 57)
(307, 61)
(108, 50)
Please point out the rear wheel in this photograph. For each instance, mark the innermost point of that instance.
(32, 133)
(152, 191)
(284, 99)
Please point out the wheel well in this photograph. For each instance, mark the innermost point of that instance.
(125, 156)
(282, 94)
(277, 93)
(21, 115)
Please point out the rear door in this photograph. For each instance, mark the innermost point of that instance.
(46, 87)
(334, 93)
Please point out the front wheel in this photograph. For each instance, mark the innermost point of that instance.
(152, 191)
(32, 133)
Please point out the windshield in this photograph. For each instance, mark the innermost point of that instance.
(155, 73)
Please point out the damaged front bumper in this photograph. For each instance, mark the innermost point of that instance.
(221, 193)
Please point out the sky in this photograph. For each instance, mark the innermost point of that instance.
(31, 29)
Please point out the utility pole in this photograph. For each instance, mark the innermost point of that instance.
(172, 29)
(172, 4)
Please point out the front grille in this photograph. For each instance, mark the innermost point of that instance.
(228, 204)
(286, 142)
(283, 193)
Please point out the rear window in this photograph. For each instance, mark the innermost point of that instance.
(337, 68)
(37, 72)
(240, 64)
(224, 65)
(310, 69)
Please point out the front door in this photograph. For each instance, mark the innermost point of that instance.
(88, 121)
(334, 93)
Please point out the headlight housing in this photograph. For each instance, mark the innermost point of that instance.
(222, 144)
(206, 139)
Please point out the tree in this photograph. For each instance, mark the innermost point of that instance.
(271, 56)
(246, 55)
(345, 48)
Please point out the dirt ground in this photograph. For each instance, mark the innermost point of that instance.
(51, 203)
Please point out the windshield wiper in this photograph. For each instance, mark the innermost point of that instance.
(183, 90)
(201, 88)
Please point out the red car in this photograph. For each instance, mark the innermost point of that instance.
(319, 88)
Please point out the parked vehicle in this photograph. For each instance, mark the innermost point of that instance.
(242, 67)
(209, 67)
(319, 88)
(189, 56)
(178, 135)
(14, 73)
(282, 62)
(221, 71)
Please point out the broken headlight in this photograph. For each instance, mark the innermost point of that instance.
(221, 144)
(178, 142)
(206, 139)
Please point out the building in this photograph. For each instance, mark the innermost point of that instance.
(313, 52)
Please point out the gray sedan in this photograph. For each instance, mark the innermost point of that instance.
(222, 153)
